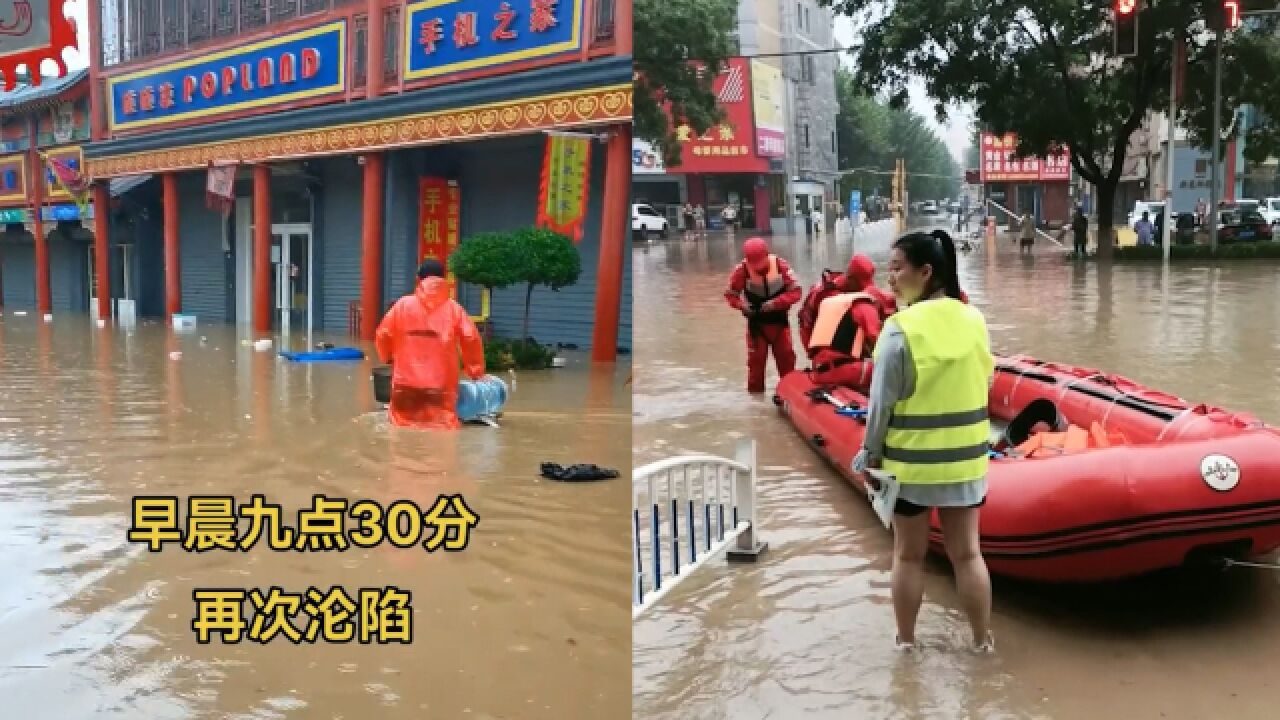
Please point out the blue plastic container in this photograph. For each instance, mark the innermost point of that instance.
(478, 398)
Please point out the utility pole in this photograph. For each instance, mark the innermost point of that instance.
(1216, 156)
(1168, 173)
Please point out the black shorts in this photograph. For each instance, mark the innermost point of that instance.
(907, 508)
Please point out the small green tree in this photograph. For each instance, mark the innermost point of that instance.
(534, 256)
(549, 259)
(490, 260)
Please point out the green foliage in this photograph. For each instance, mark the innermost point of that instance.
(1043, 69)
(1250, 60)
(552, 259)
(682, 46)
(1232, 251)
(873, 135)
(490, 260)
(533, 256)
(502, 355)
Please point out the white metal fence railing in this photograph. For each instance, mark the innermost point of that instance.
(686, 510)
(1015, 222)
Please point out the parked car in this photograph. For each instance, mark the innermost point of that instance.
(1243, 226)
(1271, 210)
(647, 222)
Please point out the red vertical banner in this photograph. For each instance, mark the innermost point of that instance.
(439, 223)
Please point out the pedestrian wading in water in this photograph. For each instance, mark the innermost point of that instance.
(927, 426)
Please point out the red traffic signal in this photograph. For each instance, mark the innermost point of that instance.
(1125, 30)
(1231, 14)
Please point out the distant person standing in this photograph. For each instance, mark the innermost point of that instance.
(700, 218)
(730, 217)
(1028, 233)
(1202, 209)
(687, 213)
(816, 217)
(1144, 229)
(1080, 231)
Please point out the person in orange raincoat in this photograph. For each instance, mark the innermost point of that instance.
(421, 337)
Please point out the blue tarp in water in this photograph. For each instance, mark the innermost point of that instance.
(344, 353)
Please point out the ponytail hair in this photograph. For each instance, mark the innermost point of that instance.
(937, 250)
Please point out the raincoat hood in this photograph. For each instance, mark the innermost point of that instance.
(858, 276)
(432, 292)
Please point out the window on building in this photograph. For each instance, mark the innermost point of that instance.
(806, 69)
(833, 141)
(806, 137)
(799, 17)
(807, 26)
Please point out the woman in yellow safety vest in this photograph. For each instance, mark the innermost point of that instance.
(927, 425)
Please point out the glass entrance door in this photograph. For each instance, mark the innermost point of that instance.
(121, 270)
(292, 277)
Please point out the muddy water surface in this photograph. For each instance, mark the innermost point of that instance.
(529, 622)
(808, 631)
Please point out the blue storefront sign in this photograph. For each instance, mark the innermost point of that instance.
(855, 203)
(65, 213)
(446, 37)
(295, 66)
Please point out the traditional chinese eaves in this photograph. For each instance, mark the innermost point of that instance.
(31, 98)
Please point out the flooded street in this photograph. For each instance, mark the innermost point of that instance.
(529, 621)
(808, 631)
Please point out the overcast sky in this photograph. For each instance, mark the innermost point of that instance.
(957, 130)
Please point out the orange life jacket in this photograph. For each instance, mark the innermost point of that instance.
(835, 323)
(1074, 439)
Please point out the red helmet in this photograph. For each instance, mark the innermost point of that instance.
(756, 251)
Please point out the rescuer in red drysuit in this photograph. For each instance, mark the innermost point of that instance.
(763, 289)
(421, 337)
(842, 335)
(858, 277)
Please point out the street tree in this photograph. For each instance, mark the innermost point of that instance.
(872, 136)
(1042, 69)
(682, 45)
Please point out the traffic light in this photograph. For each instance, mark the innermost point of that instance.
(1126, 28)
(1230, 14)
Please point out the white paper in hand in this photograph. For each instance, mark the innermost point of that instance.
(886, 497)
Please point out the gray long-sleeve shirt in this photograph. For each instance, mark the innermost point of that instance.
(894, 379)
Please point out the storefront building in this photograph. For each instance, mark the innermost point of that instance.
(1038, 186)
(356, 171)
(739, 162)
(39, 125)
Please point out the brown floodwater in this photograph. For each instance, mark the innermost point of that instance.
(530, 621)
(808, 631)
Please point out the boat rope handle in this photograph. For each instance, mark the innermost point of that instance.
(1172, 422)
(1228, 562)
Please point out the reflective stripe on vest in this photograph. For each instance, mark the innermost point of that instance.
(940, 434)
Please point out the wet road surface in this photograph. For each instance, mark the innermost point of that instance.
(808, 631)
(529, 622)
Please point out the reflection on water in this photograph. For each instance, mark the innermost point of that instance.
(808, 631)
(529, 622)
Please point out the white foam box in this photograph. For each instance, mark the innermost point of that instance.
(184, 322)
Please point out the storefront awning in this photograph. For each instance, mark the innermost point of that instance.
(122, 185)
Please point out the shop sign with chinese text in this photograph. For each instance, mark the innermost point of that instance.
(999, 165)
(731, 146)
(444, 37)
(291, 67)
(440, 213)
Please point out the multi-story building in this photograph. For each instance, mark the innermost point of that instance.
(778, 158)
(329, 174)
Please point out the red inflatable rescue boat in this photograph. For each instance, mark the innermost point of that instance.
(1140, 481)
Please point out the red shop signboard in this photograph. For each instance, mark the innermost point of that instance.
(439, 214)
(731, 146)
(998, 164)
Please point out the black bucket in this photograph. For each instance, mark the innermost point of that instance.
(382, 383)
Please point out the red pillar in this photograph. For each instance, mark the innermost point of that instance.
(44, 298)
(97, 110)
(371, 247)
(617, 182)
(1229, 175)
(622, 26)
(172, 254)
(262, 300)
(101, 247)
(373, 64)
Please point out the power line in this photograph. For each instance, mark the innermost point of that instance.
(793, 53)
